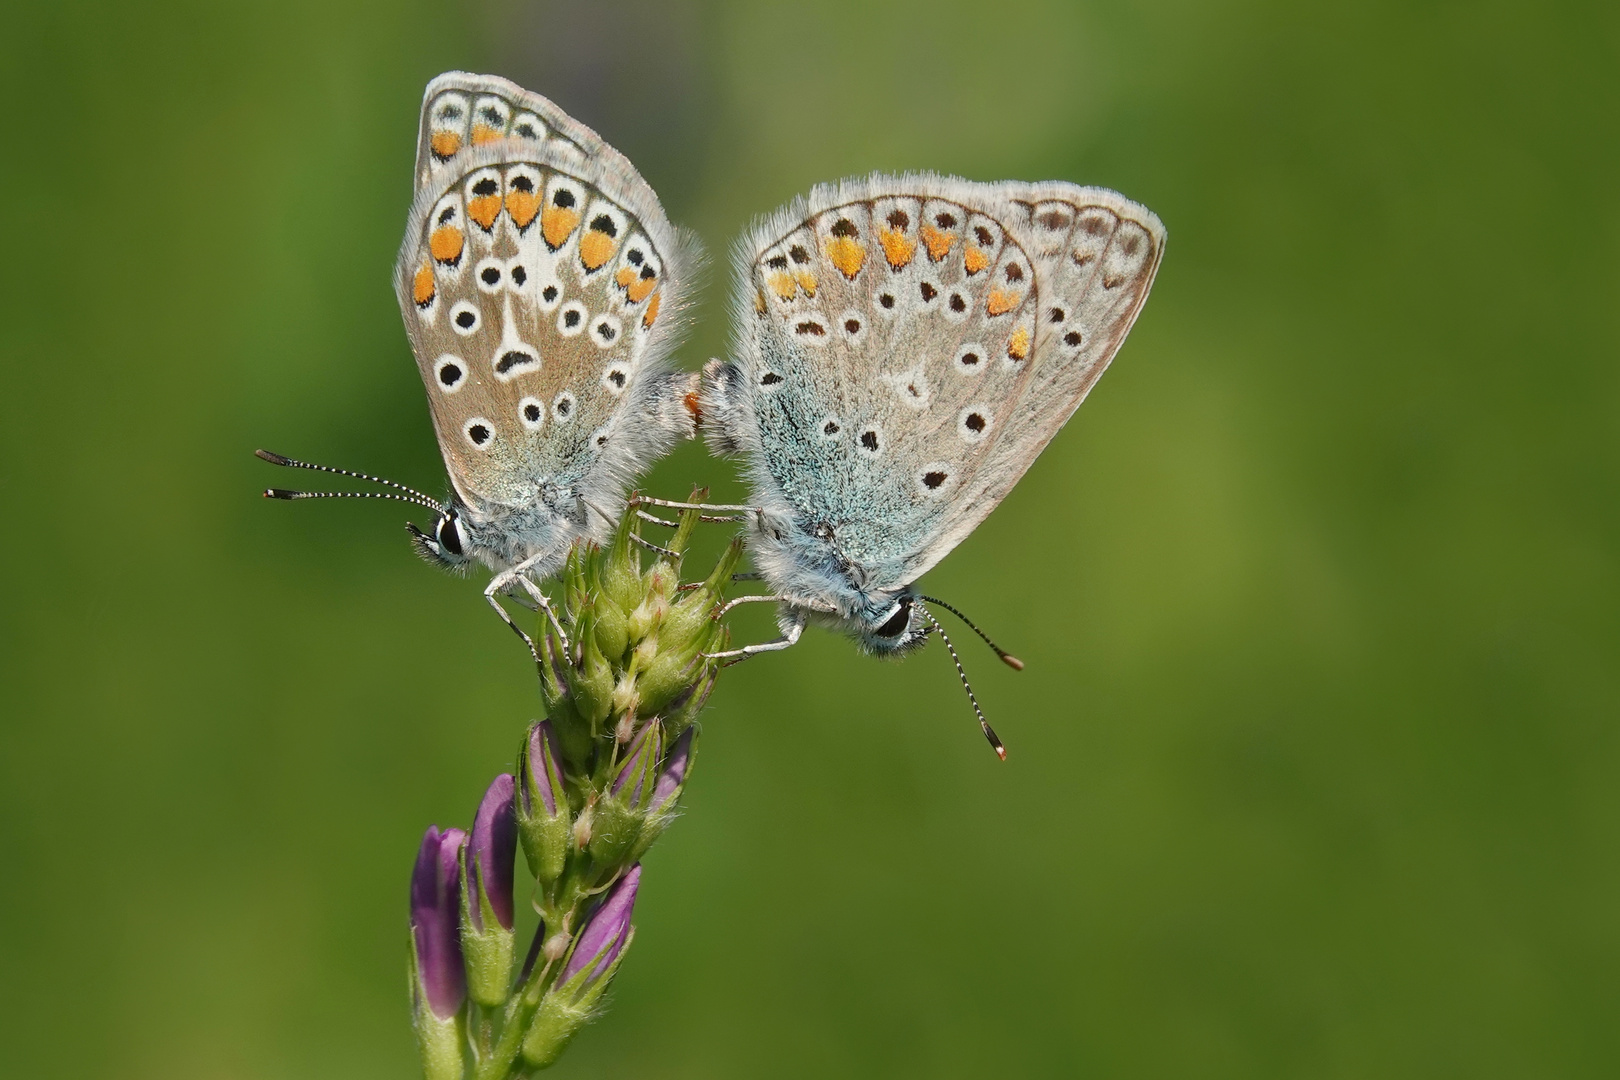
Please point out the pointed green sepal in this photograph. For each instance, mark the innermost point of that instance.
(592, 679)
(545, 825)
(487, 950)
(572, 579)
(621, 567)
(573, 731)
(612, 628)
(438, 1039)
(669, 674)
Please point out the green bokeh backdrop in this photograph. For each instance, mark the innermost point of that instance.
(1313, 767)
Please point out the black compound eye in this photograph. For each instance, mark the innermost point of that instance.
(898, 621)
(449, 535)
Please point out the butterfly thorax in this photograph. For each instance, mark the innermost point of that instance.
(805, 563)
(502, 536)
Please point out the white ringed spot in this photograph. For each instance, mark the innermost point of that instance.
(935, 478)
(973, 423)
(571, 320)
(479, 433)
(532, 413)
(970, 359)
(465, 317)
(449, 373)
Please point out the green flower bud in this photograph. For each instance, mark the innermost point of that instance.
(573, 731)
(486, 896)
(439, 1039)
(688, 522)
(438, 976)
(643, 620)
(607, 936)
(664, 678)
(620, 812)
(687, 619)
(544, 823)
(671, 780)
(576, 586)
(689, 702)
(592, 680)
(626, 696)
(621, 568)
(612, 628)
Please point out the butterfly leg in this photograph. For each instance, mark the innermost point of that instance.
(726, 610)
(786, 641)
(717, 511)
(518, 576)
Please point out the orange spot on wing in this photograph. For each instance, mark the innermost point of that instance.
(782, 284)
(626, 277)
(807, 282)
(557, 224)
(596, 248)
(641, 288)
(652, 310)
(694, 407)
(1001, 302)
(847, 254)
(1018, 347)
(484, 209)
(939, 243)
(974, 260)
(759, 302)
(896, 248)
(446, 244)
(522, 206)
(445, 144)
(483, 135)
(422, 288)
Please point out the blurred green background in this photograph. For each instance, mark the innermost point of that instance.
(1314, 767)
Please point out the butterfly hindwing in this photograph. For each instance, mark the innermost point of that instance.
(462, 112)
(908, 345)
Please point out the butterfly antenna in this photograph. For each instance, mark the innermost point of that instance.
(989, 732)
(1006, 657)
(411, 494)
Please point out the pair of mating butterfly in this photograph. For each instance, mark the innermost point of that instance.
(906, 346)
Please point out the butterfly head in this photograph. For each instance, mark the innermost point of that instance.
(892, 629)
(451, 541)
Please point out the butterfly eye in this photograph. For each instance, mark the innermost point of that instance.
(448, 531)
(897, 623)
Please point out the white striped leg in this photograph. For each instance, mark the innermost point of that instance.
(713, 512)
(787, 641)
(518, 575)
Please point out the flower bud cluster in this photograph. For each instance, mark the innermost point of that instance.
(596, 782)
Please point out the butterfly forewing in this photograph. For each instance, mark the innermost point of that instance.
(911, 344)
(532, 298)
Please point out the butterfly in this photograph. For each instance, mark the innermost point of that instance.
(906, 346)
(542, 288)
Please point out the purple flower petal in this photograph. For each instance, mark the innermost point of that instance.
(632, 777)
(493, 848)
(669, 781)
(544, 777)
(435, 920)
(604, 934)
